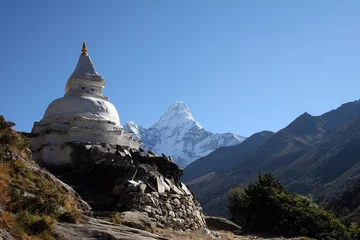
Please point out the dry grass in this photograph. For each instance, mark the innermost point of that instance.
(30, 200)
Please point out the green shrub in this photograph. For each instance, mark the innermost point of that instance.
(34, 224)
(264, 205)
(70, 217)
(115, 218)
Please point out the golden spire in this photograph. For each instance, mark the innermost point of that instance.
(84, 50)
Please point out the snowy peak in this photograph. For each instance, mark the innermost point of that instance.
(132, 127)
(179, 135)
(177, 115)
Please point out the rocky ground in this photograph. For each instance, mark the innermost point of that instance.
(219, 235)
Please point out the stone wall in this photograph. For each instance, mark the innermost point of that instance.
(133, 180)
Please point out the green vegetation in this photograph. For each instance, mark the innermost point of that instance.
(265, 206)
(347, 206)
(115, 218)
(30, 199)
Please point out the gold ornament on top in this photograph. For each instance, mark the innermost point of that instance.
(84, 49)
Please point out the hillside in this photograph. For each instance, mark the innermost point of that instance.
(222, 160)
(312, 155)
(34, 204)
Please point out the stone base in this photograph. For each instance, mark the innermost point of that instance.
(117, 178)
(167, 210)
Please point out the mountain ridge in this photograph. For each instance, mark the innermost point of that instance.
(311, 155)
(218, 162)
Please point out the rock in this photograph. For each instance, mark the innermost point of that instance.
(155, 194)
(4, 235)
(176, 202)
(198, 216)
(151, 154)
(186, 190)
(218, 223)
(127, 152)
(178, 221)
(133, 186)
(168, 206)
(161, 184)
(158, 211)
(145, 200)
(91, 228)
(118, 190)
(96, 152)
(172, 214)
(148, 209)
(120, 153)
(137, 220)
(119, 161)
(160, 225)
(173, 187)
(211, 234)
(143, 187)
(143, 170)
(129, 175)
(154, 201)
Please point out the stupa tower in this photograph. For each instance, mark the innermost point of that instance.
(83, 114)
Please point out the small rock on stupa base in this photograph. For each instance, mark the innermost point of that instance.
(83, 114)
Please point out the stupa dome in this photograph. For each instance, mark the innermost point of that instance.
(84, 107)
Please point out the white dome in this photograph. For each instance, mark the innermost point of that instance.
(82, 106)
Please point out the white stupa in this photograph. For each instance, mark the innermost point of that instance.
(82, 115)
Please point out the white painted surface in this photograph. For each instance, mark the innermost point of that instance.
(82, 106)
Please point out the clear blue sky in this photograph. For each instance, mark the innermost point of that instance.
(240, 66)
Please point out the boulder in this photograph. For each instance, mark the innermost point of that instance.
(218, 223)
(4, 235)
(91, 228)
(137, 220)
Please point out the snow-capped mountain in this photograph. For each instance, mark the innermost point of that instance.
(179, 135)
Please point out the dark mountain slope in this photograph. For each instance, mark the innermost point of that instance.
(326, 162)
(306, 156)
(223, 159)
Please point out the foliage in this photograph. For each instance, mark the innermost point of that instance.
(264, 205)
(347, 204)
(115, 218)
(73, 216)
(346, 207)
(30, 199)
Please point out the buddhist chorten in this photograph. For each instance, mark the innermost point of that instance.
(83, 114)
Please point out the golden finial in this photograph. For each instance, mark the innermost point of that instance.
(84, 50)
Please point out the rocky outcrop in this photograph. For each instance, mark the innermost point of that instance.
(218, 223)
(91, 228)
(118, 178)
(5, 235)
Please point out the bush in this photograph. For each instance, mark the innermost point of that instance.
(70, 217)
(264, 205)
(115, 218)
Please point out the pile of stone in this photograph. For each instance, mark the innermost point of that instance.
(140, 181)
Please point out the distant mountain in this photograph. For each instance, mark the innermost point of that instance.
(179, 135)
(224, 158)
(316, 155)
